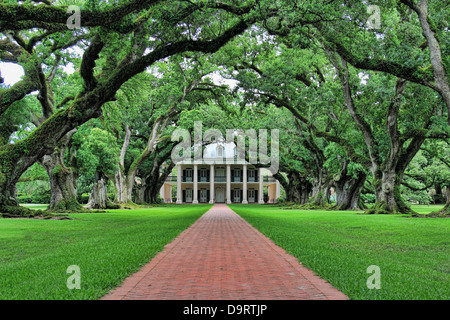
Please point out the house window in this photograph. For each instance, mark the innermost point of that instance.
(251, 175)
(203, 175)
(189, 175)
(220, 151)
(237, 175)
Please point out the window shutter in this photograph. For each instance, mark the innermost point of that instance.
(184, 195)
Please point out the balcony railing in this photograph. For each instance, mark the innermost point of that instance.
(220, 179)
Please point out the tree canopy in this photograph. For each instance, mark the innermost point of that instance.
(360, 95)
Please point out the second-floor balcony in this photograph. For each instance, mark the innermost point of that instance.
(220, 179)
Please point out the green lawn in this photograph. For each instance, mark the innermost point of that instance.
(413, 254)
(107, 247)
(35, 206)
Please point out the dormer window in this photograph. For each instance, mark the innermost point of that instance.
(219, 151)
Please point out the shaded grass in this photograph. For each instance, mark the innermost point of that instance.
(413, 254)
(107, 247)
(35, 206)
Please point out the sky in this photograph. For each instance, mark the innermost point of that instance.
(11, 73)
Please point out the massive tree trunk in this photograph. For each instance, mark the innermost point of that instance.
(63, 181)
(438, 196)
(389, 199)
(297, 187)
(321, 187)
(446, 209)
(98, 198)
(444, 212)
(348, 190)
(389, 178)
(120, 177)
(155, 181)
(121, 188)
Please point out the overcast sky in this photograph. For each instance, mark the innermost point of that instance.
(11, 72)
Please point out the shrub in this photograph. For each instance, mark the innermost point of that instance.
(368, 197)
(41, 197)
(24, 198)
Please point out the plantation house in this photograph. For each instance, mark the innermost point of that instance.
(220, 177)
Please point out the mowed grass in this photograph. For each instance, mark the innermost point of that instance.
(413, 254)
(107, 247)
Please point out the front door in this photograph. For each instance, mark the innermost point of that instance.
(220, 194)
(203, 195)
(237, 195)
(188, 195)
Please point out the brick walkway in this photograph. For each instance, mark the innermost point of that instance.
(222, 257)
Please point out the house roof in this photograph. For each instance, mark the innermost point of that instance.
(218, 153)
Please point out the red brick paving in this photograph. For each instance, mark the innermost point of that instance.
(222, 257)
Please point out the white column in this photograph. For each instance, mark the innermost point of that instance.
(211, 184)
(162, 194)
(228, 183)
(179, 193)
(277, 191)
(261, 188)
(244, 184)
(195, 195)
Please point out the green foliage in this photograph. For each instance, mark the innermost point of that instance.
(368, 198)
(98, 152)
